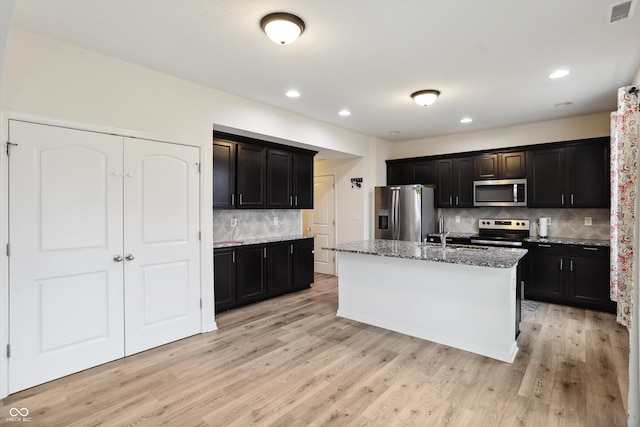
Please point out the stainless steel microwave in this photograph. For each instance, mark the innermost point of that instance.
(500, 192)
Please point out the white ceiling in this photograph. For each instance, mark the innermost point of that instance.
(490, 58)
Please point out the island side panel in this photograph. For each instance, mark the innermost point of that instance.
(468, 307)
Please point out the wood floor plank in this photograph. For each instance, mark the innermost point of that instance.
(292, 362)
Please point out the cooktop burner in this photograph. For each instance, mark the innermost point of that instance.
(501, 232)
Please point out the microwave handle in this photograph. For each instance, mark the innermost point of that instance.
(515, 193)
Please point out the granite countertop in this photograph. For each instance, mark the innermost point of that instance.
(480, 256)
(455, 235)
(260, 240)
(569, 241)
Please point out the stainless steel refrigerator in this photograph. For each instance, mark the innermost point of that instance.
(404, 212)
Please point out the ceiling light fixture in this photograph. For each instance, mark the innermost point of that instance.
(425, 97)
(559, 74)
(466, 120)
(293, 93)
(281, 27)
(345, 113)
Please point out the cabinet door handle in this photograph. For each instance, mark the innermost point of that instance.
(560, 264)
(233, 257)
(571, 199)
(562, 197)
(290, 200)
(571, 264)
(450, 200)
(233, 199)
(590, 249)
(264, 252)
(457, 201)
(540, 245)
(296, 200)
(291, 248)
(240, 197)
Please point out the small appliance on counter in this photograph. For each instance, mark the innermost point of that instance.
(404, 212)
(543, 227)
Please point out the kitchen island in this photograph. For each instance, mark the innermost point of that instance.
(461, 296)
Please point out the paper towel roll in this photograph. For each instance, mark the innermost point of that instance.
(543, 227)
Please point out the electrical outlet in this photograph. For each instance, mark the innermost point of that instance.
(234, 221)
(355, 216)
(587, 220)
(457, 219)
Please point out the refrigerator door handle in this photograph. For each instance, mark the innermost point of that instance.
(395, 214)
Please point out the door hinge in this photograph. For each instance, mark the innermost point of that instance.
(199, 167)
(8, 351)
(200, 302)
(8, 249)
(9, 145)
(199, 235)
(334, 222)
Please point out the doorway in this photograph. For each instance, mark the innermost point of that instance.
(320, 221)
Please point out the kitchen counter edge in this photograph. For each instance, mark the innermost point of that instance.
(260, 241)
(569, 241)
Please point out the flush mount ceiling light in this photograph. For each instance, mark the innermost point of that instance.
(293, 93)
(425, 97)
(281, 27)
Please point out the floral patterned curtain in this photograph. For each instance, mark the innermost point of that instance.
(624, 179)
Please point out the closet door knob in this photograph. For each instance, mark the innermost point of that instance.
(129, 257)
(117, 258)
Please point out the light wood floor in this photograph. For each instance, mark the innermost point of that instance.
(291, 362)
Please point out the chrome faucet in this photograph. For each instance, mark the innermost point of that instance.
(443, 240)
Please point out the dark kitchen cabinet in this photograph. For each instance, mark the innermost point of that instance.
(573, 175)
(500, 166)
(224, 278)
(568, 274)
(279, 179)
(279, 268)
(224, 174)
(254, 174)
(422, 172)
(397, 173)
(302, 181)
(251, 176)
(303, 254)
(251, 273)
(454, 182)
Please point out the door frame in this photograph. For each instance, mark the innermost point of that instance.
(305, 215)
(207, 321)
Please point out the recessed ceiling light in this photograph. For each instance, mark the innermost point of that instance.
(345, 113)
(563, 104)
(466, 120)
(558, 74)
(394, 132)
(293, 93)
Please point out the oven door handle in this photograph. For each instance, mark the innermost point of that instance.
(495, 243)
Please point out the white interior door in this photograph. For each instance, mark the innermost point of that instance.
(162, 280)
(65, 226)
(321, 220)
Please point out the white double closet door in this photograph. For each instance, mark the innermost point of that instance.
(104, 238)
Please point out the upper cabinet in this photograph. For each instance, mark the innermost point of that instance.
(572, 175)
(509, 165)
(252, 174)
(413, 172)
(454, 182)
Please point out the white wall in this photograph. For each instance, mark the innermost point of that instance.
(590, 126)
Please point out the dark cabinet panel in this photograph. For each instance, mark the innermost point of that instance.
(303, 263)
(279, 268)
(224, 279)
(279, 179)
(572, 176)
(397, 173)
(546, 180)
(544, 272)
(512, 165)
(444, 183)
(224, 174)
(486, 167)
(302, 181)
(251, 274)
(422, 172)
(454, 182)
(251, 176)
(588, 175)
(568, 274)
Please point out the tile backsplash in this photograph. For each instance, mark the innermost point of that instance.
(256, 223)
(564, 222)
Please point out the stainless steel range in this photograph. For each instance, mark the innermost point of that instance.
(501, 232)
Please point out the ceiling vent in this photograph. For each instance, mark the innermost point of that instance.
(621, 11)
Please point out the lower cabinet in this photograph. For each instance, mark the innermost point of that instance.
(247, 274)
(568, 274)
